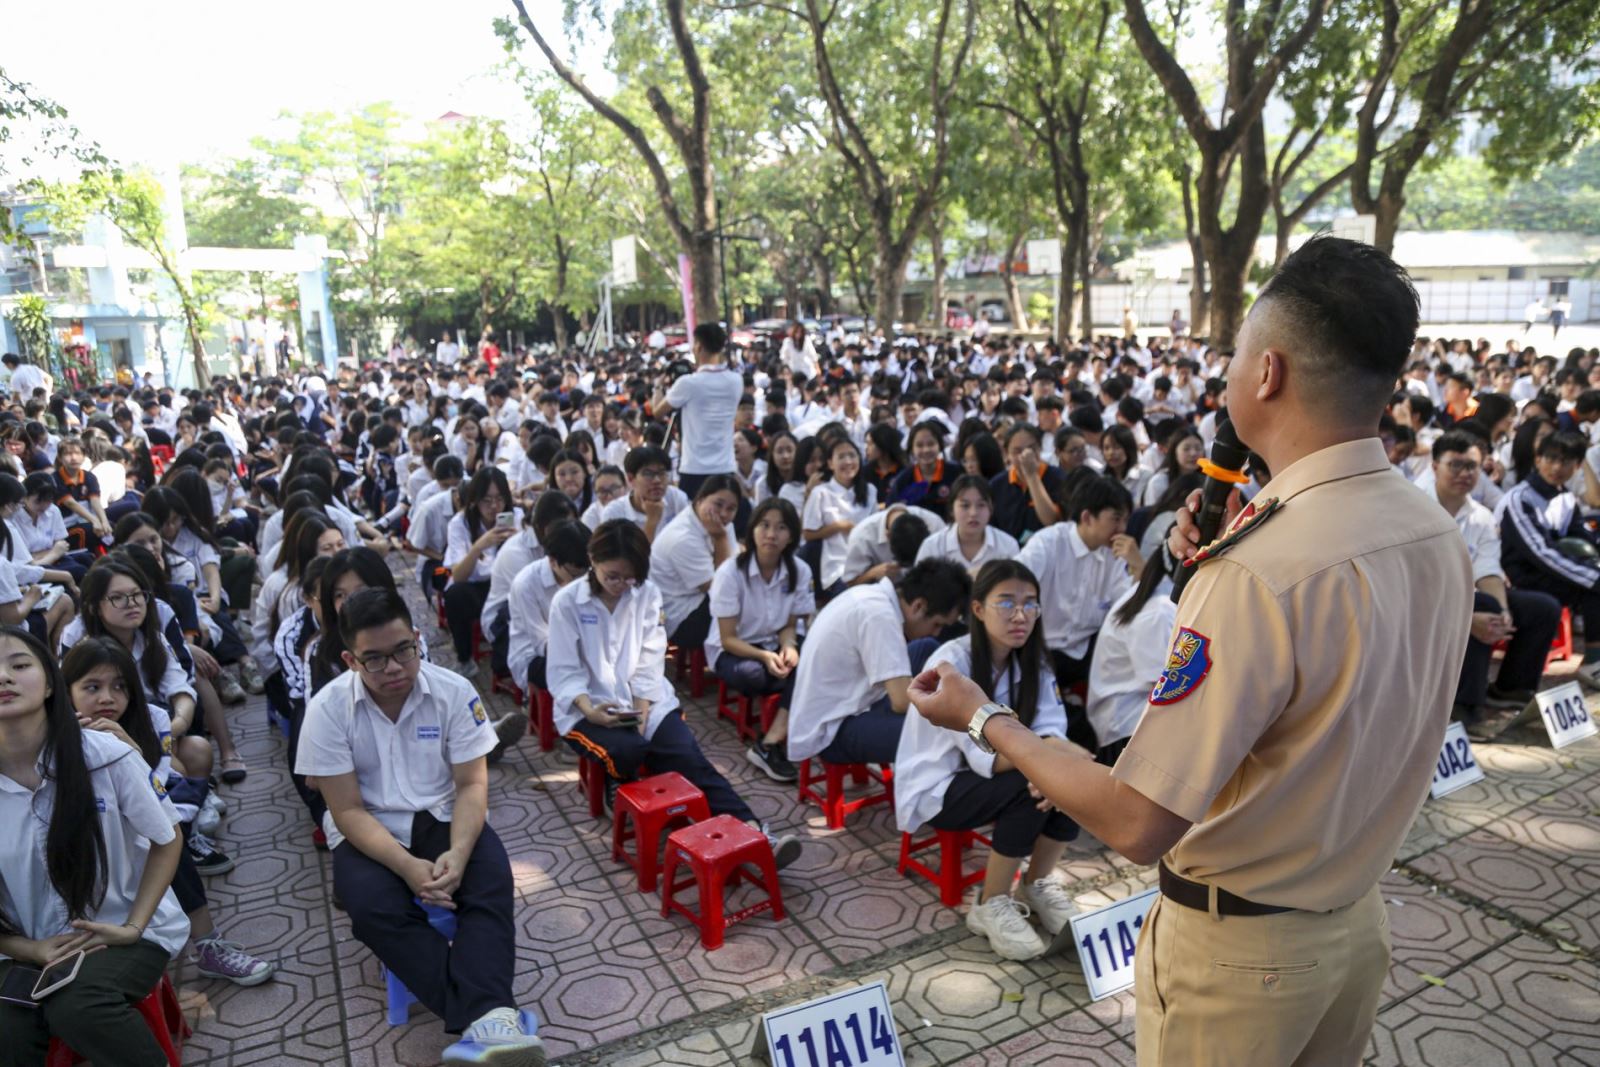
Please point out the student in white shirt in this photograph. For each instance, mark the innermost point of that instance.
(686, 554)
(84, 831)
(397, 747)
(708, 400)
(969, 539)
(834, 509)
(750, 469)
(885, 544)
(808, 471)
(942, 779)
(473, 539)
(608, 484)
(566, 559)
(1130, 655)
(569, 474)
(108, 697)
(428, 531)
(651, 501)
(514, 556)
(850, 691)
(759, 599)
(605, 666)
(1083, 564)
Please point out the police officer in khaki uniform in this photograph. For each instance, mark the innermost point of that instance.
(1291, 739)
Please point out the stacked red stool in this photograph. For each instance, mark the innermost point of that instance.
(741, 711)
(719, 853)
(833, 803)
(952, 881)
(162, 1014)
(691, 662)
(653, 805)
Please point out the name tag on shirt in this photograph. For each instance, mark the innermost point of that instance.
(100, 805)
(589, 620)
(427, 733)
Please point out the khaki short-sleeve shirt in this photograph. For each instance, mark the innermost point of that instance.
(1309, 685)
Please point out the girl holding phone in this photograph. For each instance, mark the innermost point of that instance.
(88, 848)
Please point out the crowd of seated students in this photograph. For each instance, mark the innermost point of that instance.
(886, 507)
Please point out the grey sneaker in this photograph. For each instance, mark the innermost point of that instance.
(209, 820)
(785, 848)
(250, 677)
(1050, 900)
(508, 730)
(228, 688)
(503, 1037)
(216, 958)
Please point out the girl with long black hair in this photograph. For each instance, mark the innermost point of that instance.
(835, 508)
(758, 600)
(98, 878)
(942, 779)
(108, 697)
(474, 538)
(1129, 656)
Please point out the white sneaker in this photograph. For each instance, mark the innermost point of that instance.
(1004, 921)
(503, 1037)
(209, 819)
(1050, 901)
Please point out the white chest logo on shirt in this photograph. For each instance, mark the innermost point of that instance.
(427, 733)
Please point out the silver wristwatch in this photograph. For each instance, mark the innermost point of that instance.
(975, 727)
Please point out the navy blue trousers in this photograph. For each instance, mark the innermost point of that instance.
(972, 801)
(459, 980)
(1536, 616)
(623, 750)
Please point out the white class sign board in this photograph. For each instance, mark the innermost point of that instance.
(1106, 939)
(851, 1028)
(1566, 715)
(1456, 767)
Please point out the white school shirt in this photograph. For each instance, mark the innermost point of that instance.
(795, 494)
(612, 656)
(1076, 586)
(946, 544)
(458, 541)
(829, 503)
(417, 481)
(41, 533)
(681, 562)
(430, 522)
(853, 646)
(402, 767)
(529, 602)
(708, 400)
(129, 798)
(622, 508)
(190, 547)
(521, 550)
(868, 544)
(269, 597)
(761, 607)
(1482, 535)
(25, 570)
(929, 756)
(1128, 661)
(272, 535)
(754, 486)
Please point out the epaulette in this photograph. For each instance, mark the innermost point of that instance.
(1254, 514)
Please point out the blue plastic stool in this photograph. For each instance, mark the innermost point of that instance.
(400, 999)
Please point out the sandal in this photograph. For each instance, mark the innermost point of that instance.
(234, 770)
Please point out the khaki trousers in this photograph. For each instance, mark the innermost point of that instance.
(1298, 989)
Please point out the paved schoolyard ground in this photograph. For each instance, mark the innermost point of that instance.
(1494, 903)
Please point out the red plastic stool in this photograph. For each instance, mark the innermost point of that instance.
(1561, 647)
(162, 1014)
(952, 881)
(502, 683)
(654, 804)
(834, 805)
(716, 852)
(542, 717)
(741, 711)
(692, 663)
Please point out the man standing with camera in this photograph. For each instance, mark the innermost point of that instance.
(708, 400)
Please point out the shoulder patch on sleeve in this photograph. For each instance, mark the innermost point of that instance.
(1187, 666)
(157, 784)
(479, 716)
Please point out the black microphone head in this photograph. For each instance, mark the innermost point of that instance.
(1227, 450)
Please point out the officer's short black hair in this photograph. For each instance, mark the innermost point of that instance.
(1353, 313)
(369, 608)
(941, 584)
(1098, 494)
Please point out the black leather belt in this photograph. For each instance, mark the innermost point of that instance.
(1198, 896)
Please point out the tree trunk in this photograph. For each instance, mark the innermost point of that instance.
(1014, 305)
(888, 270)
(1075, 321)
(703, 266)
(936, 302)
(824, 269)
(1082, 256)
(558, 322)
(1066, 311)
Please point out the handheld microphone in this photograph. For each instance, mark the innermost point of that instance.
(1224, 472)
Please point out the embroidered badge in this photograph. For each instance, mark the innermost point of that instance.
(157, 784)
(1252, 516)
(1187, 666)
(166, 744)
(479, 716)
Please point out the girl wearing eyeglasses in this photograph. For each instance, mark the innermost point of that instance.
(942, 779)
(604, 666)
